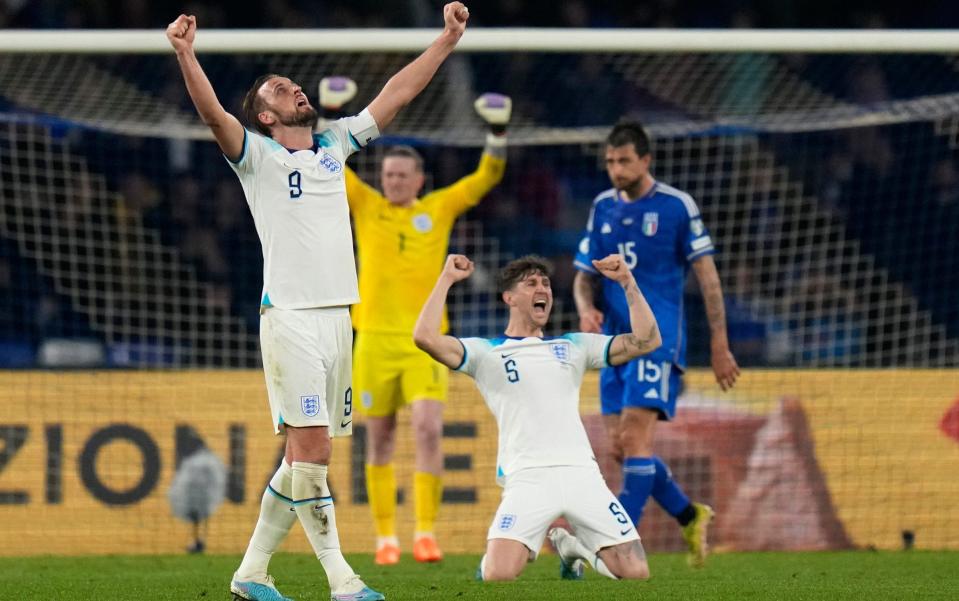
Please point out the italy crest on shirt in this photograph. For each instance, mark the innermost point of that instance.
(650, 223)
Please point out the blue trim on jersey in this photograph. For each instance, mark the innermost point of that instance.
(501, 340)
(465, 356)
(311, 500)
(353, 140)
(242, 151)
(325, 139)
(266, 300)
(314, 148)
(279, 495)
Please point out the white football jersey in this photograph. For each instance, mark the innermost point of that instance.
(298, 201)
(532, 387)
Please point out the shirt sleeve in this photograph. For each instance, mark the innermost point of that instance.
(587, 246)
(468, 191)
(474, 349)
(254, 147)
(694, 237)
(595, 348)
(350, 133)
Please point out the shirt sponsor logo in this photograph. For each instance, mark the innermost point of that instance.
(507, 521)
(422, 223)
(650, 223)
(330, 164)
(310, 405)
(560, 350)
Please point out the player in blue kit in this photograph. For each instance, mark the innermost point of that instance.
(659, 232)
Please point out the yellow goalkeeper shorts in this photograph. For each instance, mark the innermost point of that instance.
(389, 372)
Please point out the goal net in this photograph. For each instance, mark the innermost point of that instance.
(131, 275)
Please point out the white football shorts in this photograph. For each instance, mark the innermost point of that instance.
(534, 498)
(308, 364)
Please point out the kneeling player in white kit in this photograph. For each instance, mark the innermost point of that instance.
(531, 384)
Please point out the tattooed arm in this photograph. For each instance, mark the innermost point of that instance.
(724, 364)
(645, 336)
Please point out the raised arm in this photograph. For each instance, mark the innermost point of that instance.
(590, 318)
(645, 336)
(426, 335)
(724, 364)
(406, 85)
(225, 127)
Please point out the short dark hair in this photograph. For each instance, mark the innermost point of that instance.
(629, 132)
(253, 104)
(519, 269)
(408, 152)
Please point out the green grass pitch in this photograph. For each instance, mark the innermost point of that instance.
(781, 576)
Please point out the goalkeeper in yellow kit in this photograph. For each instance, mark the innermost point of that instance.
(402, 244)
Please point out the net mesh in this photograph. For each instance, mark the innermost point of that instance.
(828, 183)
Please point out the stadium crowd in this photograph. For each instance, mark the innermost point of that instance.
(540, 207)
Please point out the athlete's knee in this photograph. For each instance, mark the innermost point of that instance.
(500, 571)
(635, 569)
(380, 448)
(636, 433)
(309, 445)
(634, 443)
(429, 431)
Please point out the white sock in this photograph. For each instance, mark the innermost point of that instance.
(314, 508)
(276, 519)
(601, 568)
(569, 547)
(482, 572)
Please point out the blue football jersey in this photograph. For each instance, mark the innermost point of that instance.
(659, 236)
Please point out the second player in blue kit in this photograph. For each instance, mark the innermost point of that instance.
(661, 235)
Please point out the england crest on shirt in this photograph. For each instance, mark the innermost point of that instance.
(330, 164)
(507, 521)
(560, 350)
(422, 223)
(650, 223)
(310, 405)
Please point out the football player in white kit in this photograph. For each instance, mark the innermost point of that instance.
(531, 384)
(294, 184)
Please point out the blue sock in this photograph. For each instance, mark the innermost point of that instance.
(666, 492)
(639, 474)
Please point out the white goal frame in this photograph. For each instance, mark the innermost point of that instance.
(146, 41)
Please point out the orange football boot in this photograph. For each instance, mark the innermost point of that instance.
(426, 550)
(387, 555)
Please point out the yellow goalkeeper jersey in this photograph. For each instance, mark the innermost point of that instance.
(401, 250)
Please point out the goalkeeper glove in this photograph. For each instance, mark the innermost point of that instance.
(495, 109)
(334, 93)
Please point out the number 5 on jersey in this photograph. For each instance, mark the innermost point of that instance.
(511, 374)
